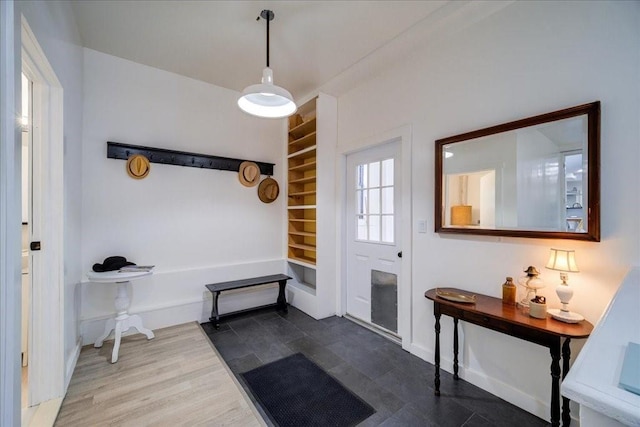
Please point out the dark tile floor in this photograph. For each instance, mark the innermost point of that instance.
(397, 384)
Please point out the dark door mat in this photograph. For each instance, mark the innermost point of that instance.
(295, 392)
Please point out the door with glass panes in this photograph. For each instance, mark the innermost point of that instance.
(373, 235)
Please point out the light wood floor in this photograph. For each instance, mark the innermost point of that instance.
(177, 378)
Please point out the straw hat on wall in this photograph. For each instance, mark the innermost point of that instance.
(268, 190)
(138, 166)
(249, 174)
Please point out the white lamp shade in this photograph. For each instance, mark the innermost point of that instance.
(266, 99)
(562, 260)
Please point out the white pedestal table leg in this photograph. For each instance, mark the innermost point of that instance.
(122, 322)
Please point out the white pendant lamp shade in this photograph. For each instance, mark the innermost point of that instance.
(266, 99)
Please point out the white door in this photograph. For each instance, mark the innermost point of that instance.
(373, 234)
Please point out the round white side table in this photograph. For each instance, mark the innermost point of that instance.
(122, 321)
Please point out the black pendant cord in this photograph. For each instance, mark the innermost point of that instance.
(267, 15)
(268, 42)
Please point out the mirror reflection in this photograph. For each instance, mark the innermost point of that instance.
(532, 178)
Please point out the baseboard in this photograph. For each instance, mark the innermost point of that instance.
(71, 364)
(46, 413)
(198, 310)
(509, 393)
(498, 388)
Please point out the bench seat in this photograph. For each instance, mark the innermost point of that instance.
(217, 288)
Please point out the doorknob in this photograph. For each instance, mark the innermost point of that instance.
(400, 254)
(34, 246)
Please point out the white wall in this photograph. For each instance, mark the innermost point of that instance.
(197, 226)
(528, 58)
(54, 26)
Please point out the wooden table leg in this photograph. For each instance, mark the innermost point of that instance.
(566, 356)
(555, 383)
(437, 355)
(455, 348)
(282, 298)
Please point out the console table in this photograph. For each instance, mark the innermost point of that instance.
(123, 321)
(489, 312)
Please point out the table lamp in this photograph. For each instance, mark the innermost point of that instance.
(564, 261)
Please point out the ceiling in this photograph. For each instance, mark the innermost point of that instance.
(221, 42)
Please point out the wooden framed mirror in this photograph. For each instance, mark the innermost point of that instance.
(537, 177)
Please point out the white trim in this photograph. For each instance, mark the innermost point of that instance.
(155, 316)
(46, 342)
(46, 413)
(71, 363)
(491, 385)
(404, 135)
(10, 215)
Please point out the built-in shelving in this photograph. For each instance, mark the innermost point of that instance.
(311, 138)
(301, 188)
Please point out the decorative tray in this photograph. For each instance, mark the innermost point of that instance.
(456, 296)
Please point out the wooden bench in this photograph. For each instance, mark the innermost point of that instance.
(216, 288)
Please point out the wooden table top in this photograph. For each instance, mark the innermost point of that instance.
(494, 308)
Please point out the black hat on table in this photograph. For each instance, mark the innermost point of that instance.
(111, 263)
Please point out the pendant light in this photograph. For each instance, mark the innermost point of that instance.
(266, 99)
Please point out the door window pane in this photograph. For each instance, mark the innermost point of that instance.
(387, 200)
(375, 201)
(387, 229)
(374, 174)
(360, 202)
(361, 228)
(361, 176)
(374, 228)
(387, 172)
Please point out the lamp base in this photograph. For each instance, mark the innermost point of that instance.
(565, 316)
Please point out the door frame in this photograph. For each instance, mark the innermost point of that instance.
(403, 136)
(10, 215)
(46, 333)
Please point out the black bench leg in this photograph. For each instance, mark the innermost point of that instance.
(282, 298)
(215, 315)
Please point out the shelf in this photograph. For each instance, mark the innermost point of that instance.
(302, 246)
(301, 153)
(302, 143)
(304, 262)
(302, 193)
(305, 180)
(303, 167)
(302, 207)
(303, 128)
(302, 233)
(301, 220)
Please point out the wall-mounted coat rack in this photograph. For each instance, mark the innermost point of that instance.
(116, 150)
